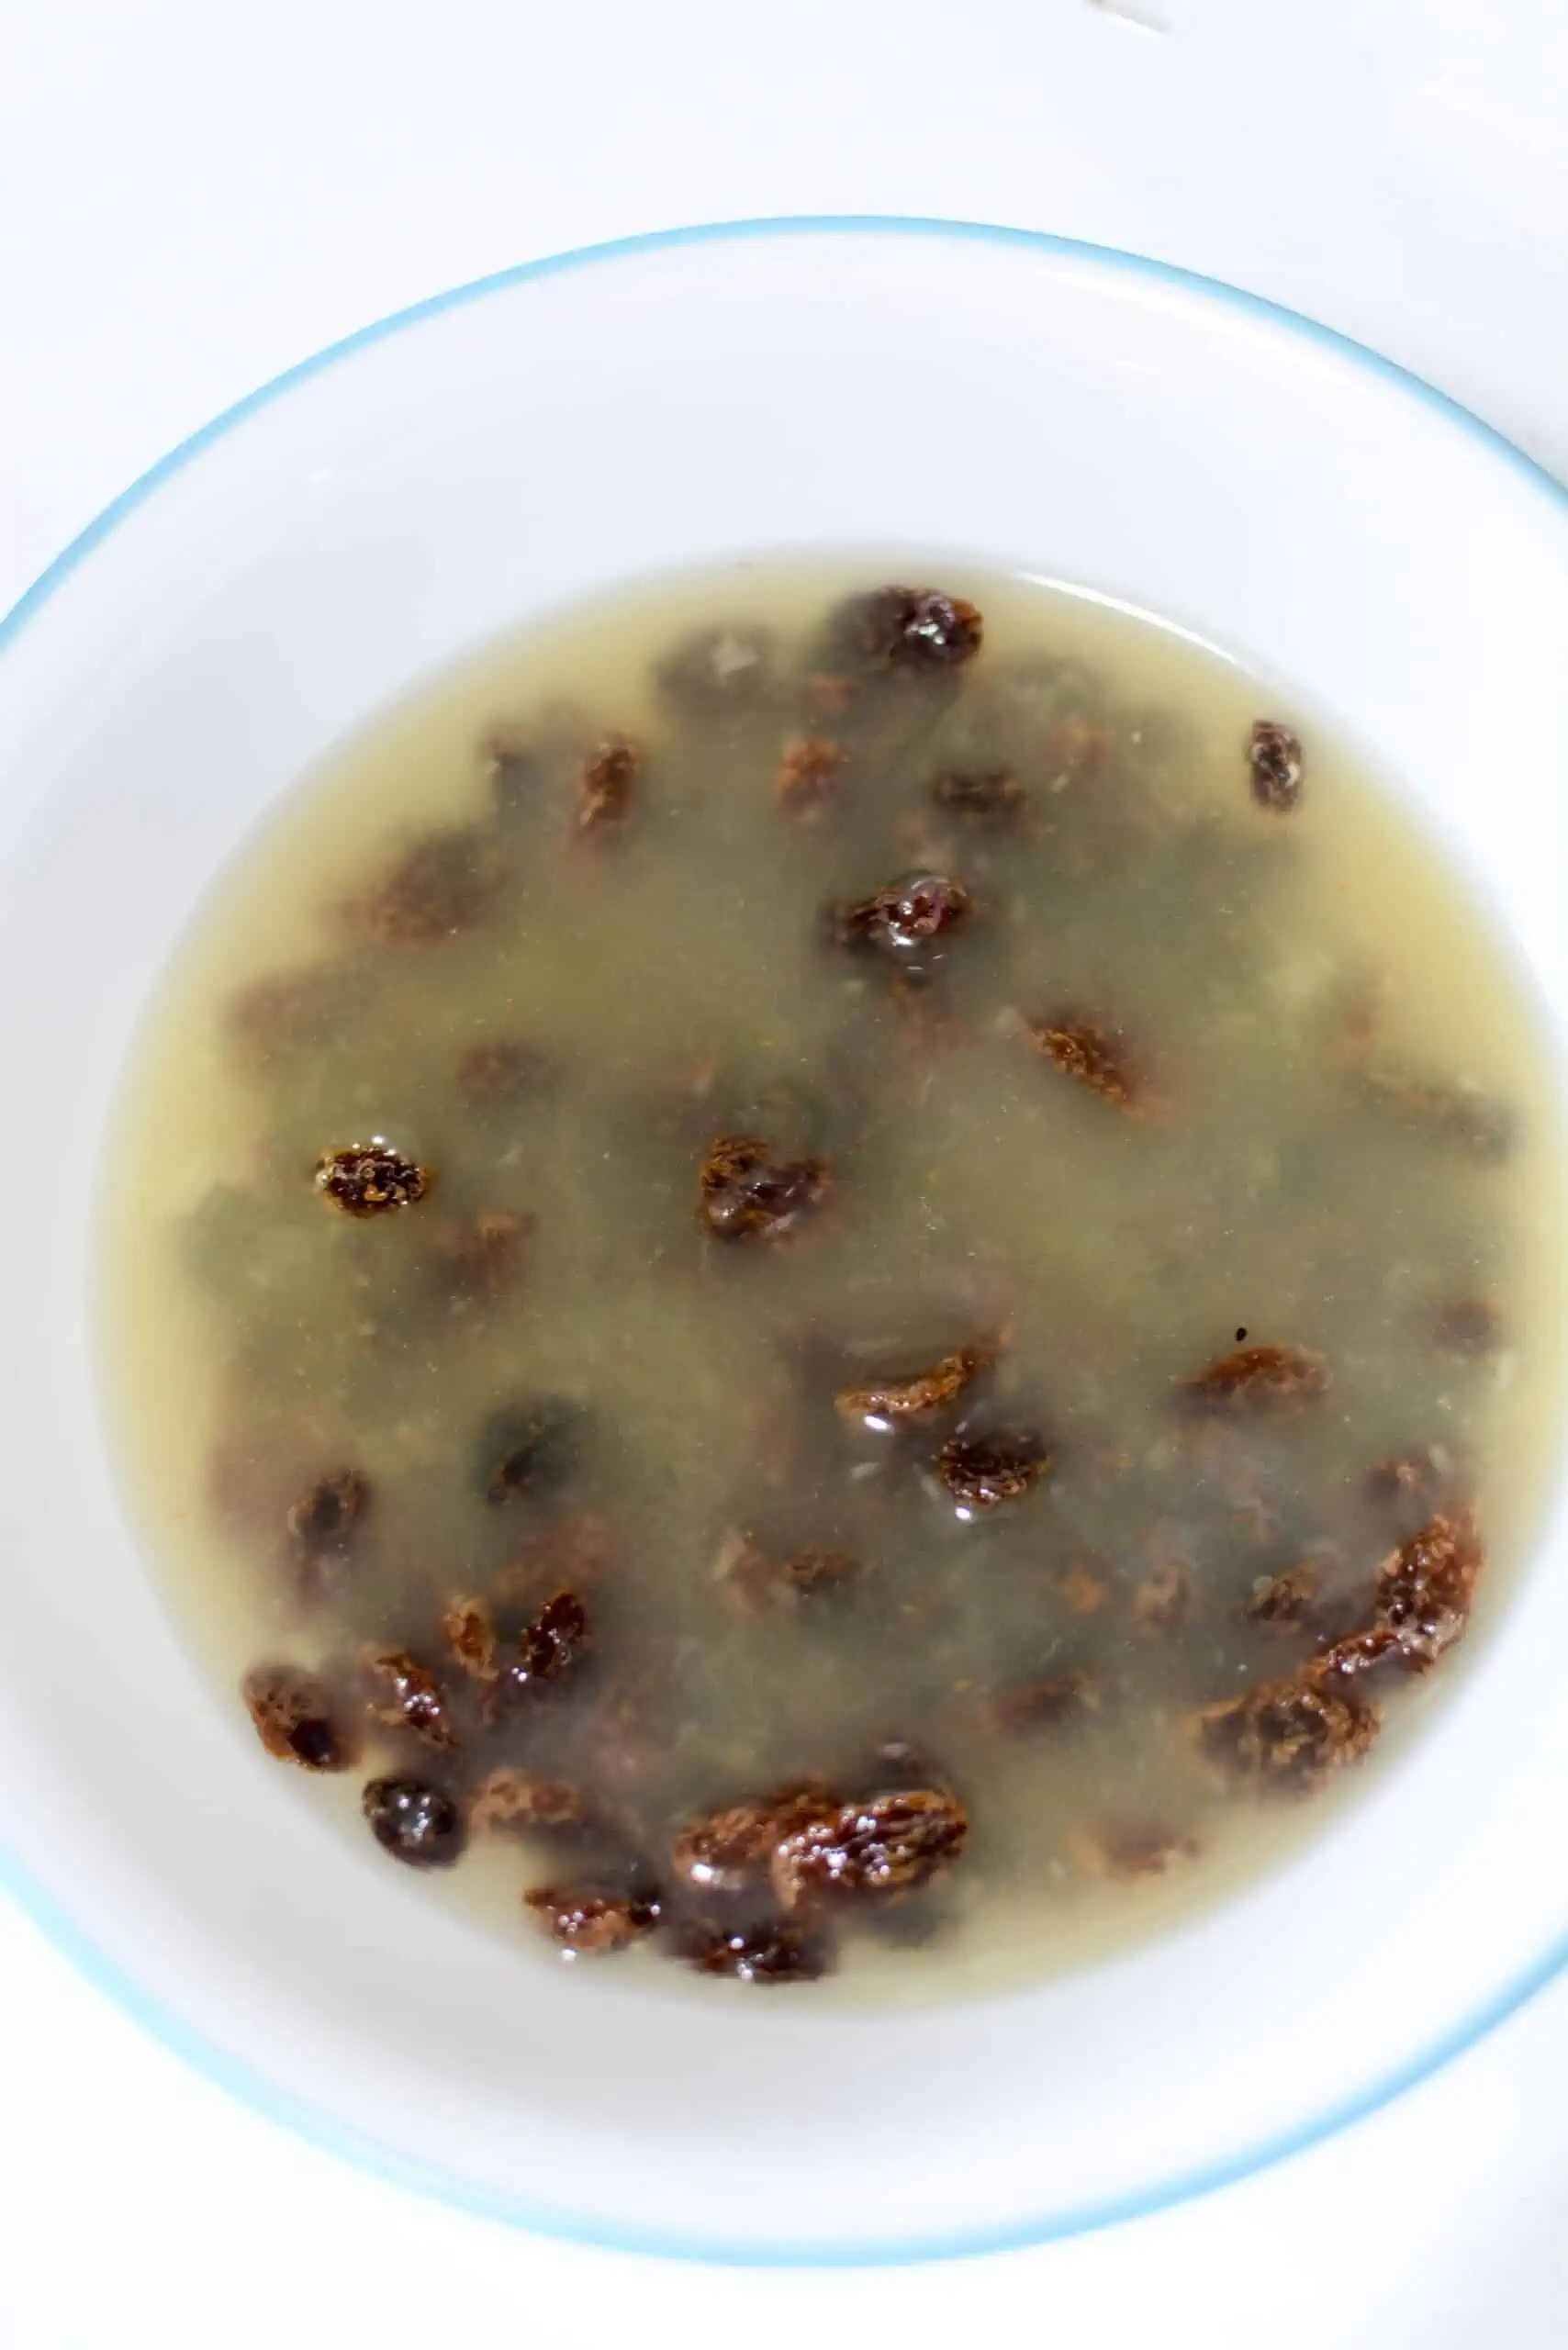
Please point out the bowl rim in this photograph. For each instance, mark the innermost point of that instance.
(320, 2129)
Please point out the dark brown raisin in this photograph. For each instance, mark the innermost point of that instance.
(916, 629)
(1469, 1326)
(1125, 1850)
(499, 1072)
(886, 1845)
(905, 920)
(888, 1403)
(370, 1177)
(718, 670)
(607, 787)
(591, 1924)
(470, 1632)
(551, 1643)
(405, 1695)
(325, 1517)
(1289, 1735)
(1043, 1705)
(779, 1953)
(984, 795)
(731, 1851)
(414, 1822)
(808, 783)
(981, 1472)
(747, 1194)
(438, 887)
(1425, 1590)
(1284, 1599)
(1274, 757)
(1096, 1058)
(295, 1718)
(528, 1447)
(1258, 1379)
(513, 1799)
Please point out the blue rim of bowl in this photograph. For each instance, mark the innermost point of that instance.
(254, 2088)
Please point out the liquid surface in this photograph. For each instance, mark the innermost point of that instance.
(1196, 1142)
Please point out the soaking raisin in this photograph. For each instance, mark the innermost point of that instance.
(981, 795)
(1409, 1486)
(1258, 1379)
(1095, 1057)
(414, 1822)
(981, 1472)
(915, 629)
(757, 1584)
(607, 786)
(1051, 1704)
(884, 1846)
(778, 1952)
(905, 920)
(470, 1632)
(528, 1447)
(370, 1177)
(295, 1718)
(1274, 757)
(439, 886)
(1425, 1590)
(550, 1644)
(809, 782)
(1289, 1735)
(1125, 1850)
(888, 1403)
(1163, 1602)
(324, 1517)
(1460, 1117)
(479, 1260)
(747, 1194)
(718, 670)
(499, 1072)
(731, 1851)
(1469, 1326)
(511, 1798)
(1282, 1599)
(407, 1695)
(591, 1924)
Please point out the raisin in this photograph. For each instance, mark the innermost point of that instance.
(746, 1194)
(1469, 1326)
(981, 1472)
(810, 778)
(905, 920)
(1461, 1117)
(570, 1550)
(607, 785)
(1274, 757)
(528, 1447)
(470, 1633)
(1043, 1705)
(1258, 1379)
(981, 795)
(1125, 1850)
(887, 1402)
(718, 670)
(1163, 1600)
(414, 1822)
(731, 1851)
(1096, 1058)
(1085, 1589)
(584, 1924)
(757, 1584)
(370, 1177)
(1408, 1487)
(407, 1695)
(551, 1643)
(479, 1260)
(778, 1952)
(1289, 1735)
(1425, 1592)
(291, 1011)
(440, 885)
(500, 1070)
(510, 1799)
(293, 1717)
(1076, 748)
(324, 1518)
(1282, 1599)
(517, 766)
(916, 629)
(886, 1845)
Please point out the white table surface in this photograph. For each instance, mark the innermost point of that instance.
(191, 197)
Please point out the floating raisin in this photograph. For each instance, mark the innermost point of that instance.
(731, 1851)
(551, 1643)
(528, 1447)
(981, 1472)
(888, 1403)
(886, 1845)
(1282, 1599)
(325, 1516)
(439, 886)
(511, 1798)
(1290, 1734)
(470, 1632)
(810, 778)
(1274, 757)
(1096, 1058)
(1258, 1379)
(607, 785)
(414, 1822)
(407, 1695)
(1424, 1594)
(756, 1583)
(295, 1718)
(905, 918)
(371, 1179)
(779, 1953)
(591, 1924)
(915, 629)
(980, 795)
(747, 1194)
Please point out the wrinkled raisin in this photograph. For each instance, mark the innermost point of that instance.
(1095, 1057)
(439, 886)
(1274, 757)
(887, 1402)
(552, 1643)
(608, 785)
(528, 1447)
(905, 918)
(407, 1695)
(1425, 1590)
(985, 795)
(414, 1822)
(1258, 1379)
(731, 1851)
(470, 1632)
(781, 1952)
(756, 1582)
(591, 1924)
(326, 1515)
(981, 1472)
(916, 629)
(513, 1799)
(810, 778)
(1284, 1598)
(295, 1718)
(747, 1194)
(889, 1844)
(1289, 1734)
(370, 1178)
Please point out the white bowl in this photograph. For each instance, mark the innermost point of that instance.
(455, 471)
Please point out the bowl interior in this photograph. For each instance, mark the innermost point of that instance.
(1028, 404)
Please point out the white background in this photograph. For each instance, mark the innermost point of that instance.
(193, 196)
